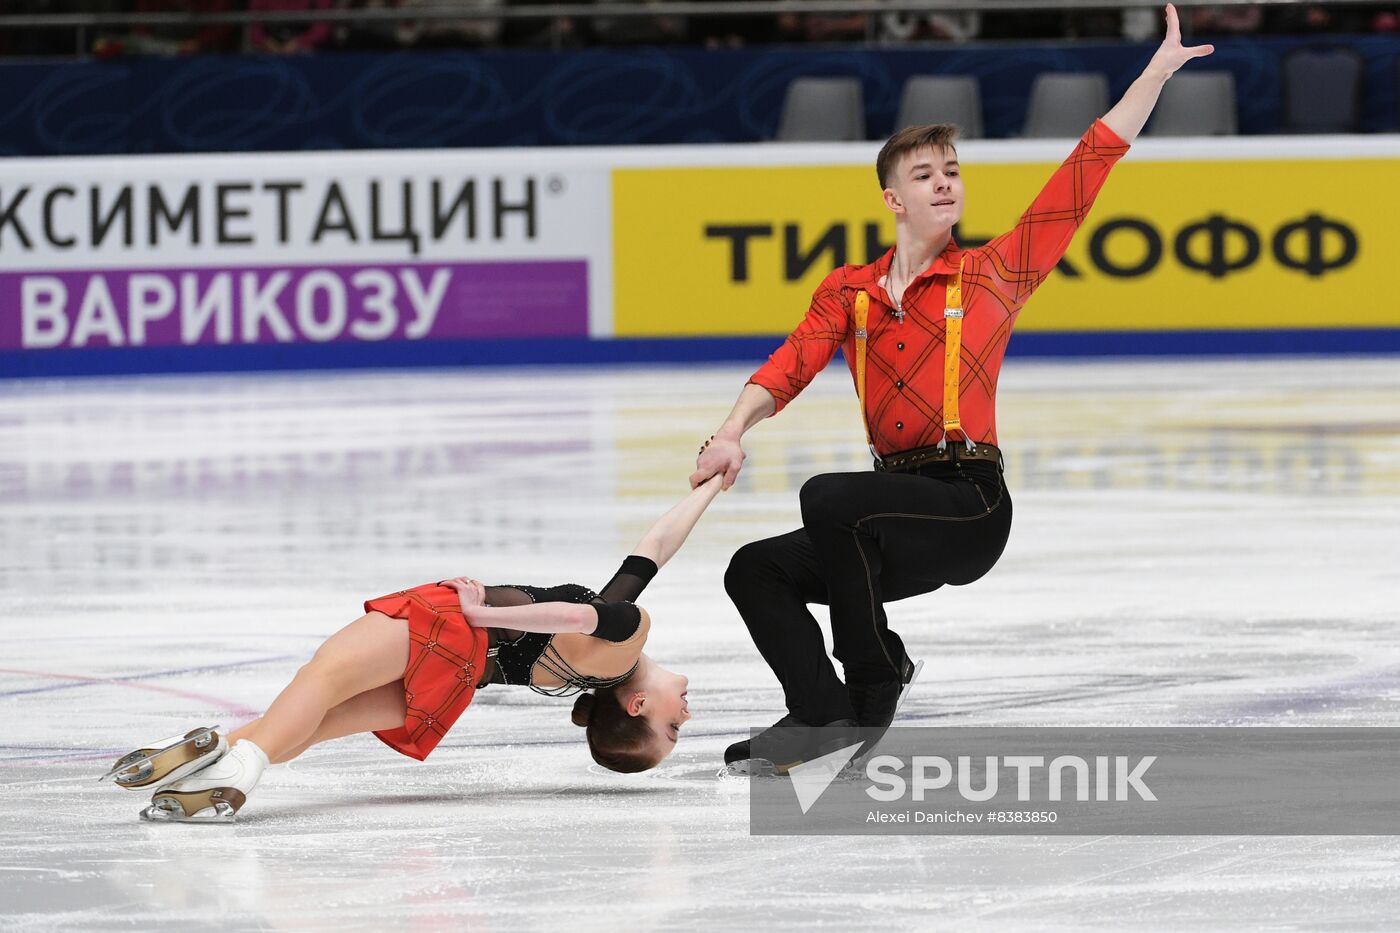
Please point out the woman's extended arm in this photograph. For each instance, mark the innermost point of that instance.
(1130, 114)
(609, 617)
(550, 618)
(665, 538)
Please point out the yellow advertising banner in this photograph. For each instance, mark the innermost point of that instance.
(1187, 245)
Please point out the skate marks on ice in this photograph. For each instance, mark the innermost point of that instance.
(315, 808)
(1352, 699)
(35, 686)
(136, 681)
(966, 698)
(1344, 699)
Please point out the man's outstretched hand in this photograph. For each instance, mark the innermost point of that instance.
(716, 457)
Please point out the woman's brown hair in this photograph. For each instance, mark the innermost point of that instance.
(618, 740)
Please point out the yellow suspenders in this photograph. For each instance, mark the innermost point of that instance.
(952, 360)
(862, 316)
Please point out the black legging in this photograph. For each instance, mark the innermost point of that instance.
(867, 539)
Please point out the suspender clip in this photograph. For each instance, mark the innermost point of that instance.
(952, 312)
(967, 442)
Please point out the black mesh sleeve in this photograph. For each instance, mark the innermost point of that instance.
(629, 581)
(617, 622)
(625, 586)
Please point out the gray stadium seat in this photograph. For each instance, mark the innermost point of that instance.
(1322, 91)
(1196, 103)
(1064, 105)
(942, 99)
(822, 110)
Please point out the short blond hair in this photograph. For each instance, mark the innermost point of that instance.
(912, 139)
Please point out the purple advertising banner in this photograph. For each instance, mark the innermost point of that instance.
(72, 309)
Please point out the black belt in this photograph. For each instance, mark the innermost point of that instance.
(951, 453)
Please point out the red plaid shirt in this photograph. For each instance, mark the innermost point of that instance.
(904, 361)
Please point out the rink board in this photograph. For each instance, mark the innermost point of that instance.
(657, 254)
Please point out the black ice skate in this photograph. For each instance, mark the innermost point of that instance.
(786, 744)
(876, 703)
(167, 760)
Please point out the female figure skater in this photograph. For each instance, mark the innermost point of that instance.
(408, 668)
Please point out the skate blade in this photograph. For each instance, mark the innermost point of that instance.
(145, 766)
(904, 693)
(784, 769)
(763, 769)
(155, 814)
(749, 768)
(216, 805)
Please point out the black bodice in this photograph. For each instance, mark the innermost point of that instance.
(516, 657)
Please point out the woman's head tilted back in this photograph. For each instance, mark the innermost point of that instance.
(634, 725)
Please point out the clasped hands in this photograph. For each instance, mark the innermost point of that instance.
(718, 455)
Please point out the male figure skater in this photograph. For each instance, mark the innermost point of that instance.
(924, 329)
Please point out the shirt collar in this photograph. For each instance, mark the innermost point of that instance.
(945, 263)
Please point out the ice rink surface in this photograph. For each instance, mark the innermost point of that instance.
(1196, 543)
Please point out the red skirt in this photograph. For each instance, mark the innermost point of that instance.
(446, 658)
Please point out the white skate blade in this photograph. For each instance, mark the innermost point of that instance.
(904, 694)
(171, 759)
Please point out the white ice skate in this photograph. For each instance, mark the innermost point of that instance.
(167, 760)
(211, 795)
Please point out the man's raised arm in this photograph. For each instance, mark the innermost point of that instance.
(1130, 114)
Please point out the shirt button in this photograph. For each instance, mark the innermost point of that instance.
(899, 425)
(899, 383)
(900, 346)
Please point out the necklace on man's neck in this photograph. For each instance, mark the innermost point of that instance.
(898, 302)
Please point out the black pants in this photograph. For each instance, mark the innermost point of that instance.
(867, 539)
